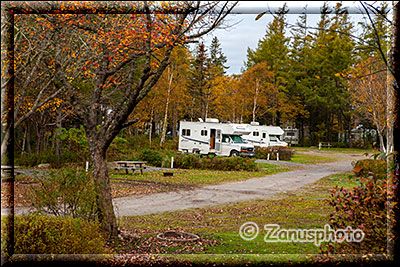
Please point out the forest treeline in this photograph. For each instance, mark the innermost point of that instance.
(324, 80)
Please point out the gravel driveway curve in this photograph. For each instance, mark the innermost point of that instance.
(256, 188)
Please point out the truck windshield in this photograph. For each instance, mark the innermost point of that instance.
(237, 139)
(274, 138)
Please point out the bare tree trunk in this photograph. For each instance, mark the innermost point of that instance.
(151, 126)
(28, 140)
(382, 147)
(104, 204)
(58, 141)
(38, 139)
(174, 120)
(274, 105)
(45, 141)
(206, 111)
(349, 134)
(255, 101)
(192, 110)
(164, 129)
(24, 141)
(5, 142)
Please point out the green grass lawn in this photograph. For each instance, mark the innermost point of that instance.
(203, 177)
(310, 159)
(155, 181)
(310, 155)
(219, 226)
(337, 149)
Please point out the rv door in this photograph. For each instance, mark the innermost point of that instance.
(264, 138)
(218, 140)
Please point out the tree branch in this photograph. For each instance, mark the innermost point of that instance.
(129, 123)
(378, 39)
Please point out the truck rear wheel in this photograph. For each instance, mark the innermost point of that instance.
(234, 153)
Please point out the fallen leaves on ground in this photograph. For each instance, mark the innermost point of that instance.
(146, 242)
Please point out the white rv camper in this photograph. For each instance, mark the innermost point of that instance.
(264, 136)
(212, 137)
(291, 135)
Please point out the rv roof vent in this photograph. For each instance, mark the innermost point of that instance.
(254, 123)
(212, 120)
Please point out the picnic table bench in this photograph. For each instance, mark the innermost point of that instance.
(128, 165)
(6, 170)
(324, 144)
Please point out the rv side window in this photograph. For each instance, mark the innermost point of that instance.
(185, 132)
(264, 135)
(256, 133)
(203, 132)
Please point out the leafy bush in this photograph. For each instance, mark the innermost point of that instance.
(215, 163)
(152, 157)
(187, 161)
(75, 140)
(340, 144)
(37, 234)
(285, 153)
(170, 143)
(6, 226)
(140, 142)
(32, 160)
(29, 160)
(370, 167)
(65, 193)
(365, 208)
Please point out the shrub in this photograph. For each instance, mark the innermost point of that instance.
(75, 140)
(370, 167)
(6, 226)
(170, 143)
(65, 192)
(32, 160)
(215, 163)
(340, 144)
(285, 153)
(187, 162)
(37, 234)
(29, 160)
(152, 157)
(365, 208)
(139, 142)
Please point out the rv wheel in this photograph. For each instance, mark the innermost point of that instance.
(234, 153)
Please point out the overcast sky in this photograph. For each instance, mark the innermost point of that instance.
(248, 31)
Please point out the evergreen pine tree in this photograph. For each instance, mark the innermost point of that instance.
(217, 57)
(273, 49)
(199, 84)
(327, 98)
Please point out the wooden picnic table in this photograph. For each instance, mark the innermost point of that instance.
(130, 165)
(324, 144)
(7, 170)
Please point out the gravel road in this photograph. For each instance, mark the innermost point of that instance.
(263, 187)
(255, 188)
